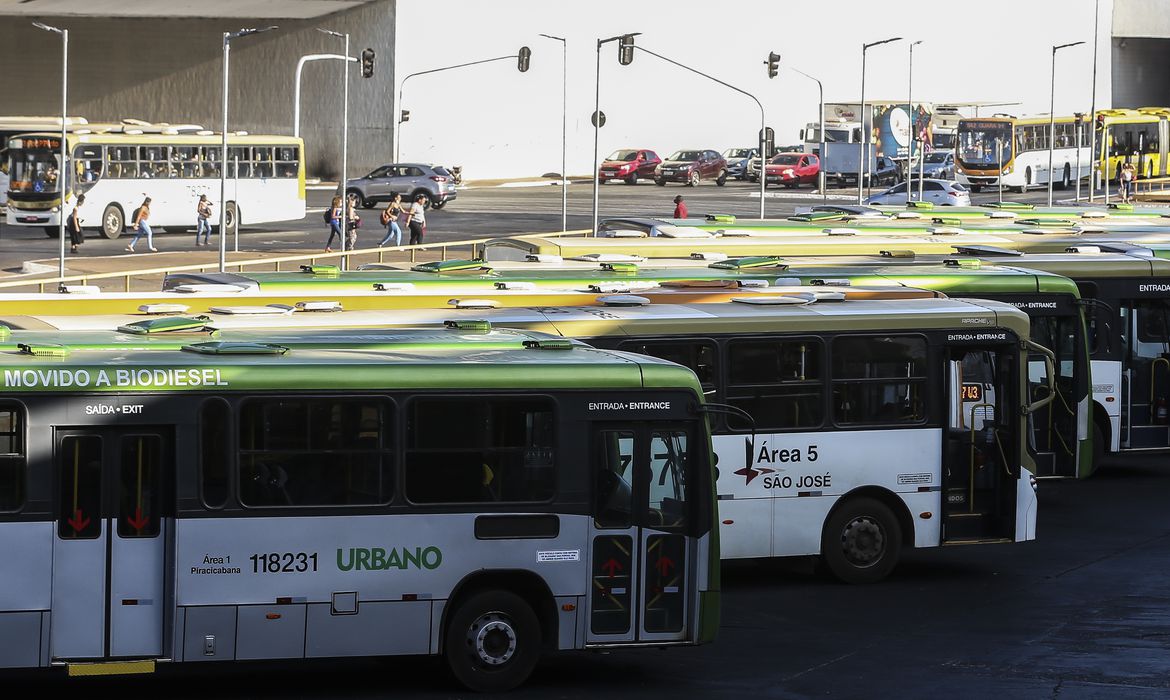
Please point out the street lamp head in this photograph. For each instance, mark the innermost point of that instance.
(915, 43)
(47, 27)
(1065, 46)
(330, 32)
(879, 43)
(554, 38)
(248, 31)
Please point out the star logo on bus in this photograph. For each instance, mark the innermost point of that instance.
(749, 472)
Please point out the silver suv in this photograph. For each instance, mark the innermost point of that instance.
(407, 179)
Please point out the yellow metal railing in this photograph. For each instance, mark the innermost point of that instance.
(343, 258)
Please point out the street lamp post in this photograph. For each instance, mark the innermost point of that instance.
(342, 183)
(1080, 122)
(564, 128)
(63, 171)
(297, 83)
(1052, 115)
(763, 162)
(913, 132)
(1093, 160)
(597, 121)
(865, 135)
(223, 154)
(402, 85)
(821, 155)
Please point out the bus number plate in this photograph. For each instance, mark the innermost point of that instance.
(972, 392)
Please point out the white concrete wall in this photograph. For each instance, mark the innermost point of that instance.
(497, 122)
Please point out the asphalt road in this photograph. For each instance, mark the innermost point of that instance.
(477, 213)
(1083, 612)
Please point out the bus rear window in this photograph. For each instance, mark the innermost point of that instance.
(483, 449)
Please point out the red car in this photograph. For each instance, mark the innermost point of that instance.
(793, 169)
(628, 164)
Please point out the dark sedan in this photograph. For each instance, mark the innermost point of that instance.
(691, 167)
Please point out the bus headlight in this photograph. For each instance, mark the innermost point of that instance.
(1007, 170)
(55, 209)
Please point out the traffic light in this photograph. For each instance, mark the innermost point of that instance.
(368, 63)
(767, 142)
(626, 49)
(405, 117)
(523, 58)
(773, 64)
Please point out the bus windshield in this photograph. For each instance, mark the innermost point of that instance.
(980, 141)
(33, 170)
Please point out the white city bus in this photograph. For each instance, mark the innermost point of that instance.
(115, 171)
(1016, 151)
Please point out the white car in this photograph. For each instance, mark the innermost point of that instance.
(942, 193)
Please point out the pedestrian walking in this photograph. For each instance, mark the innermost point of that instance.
(73, 224)
(333, 216)
(416, 220)
(203, 220)
(390, 217)
(141, 227)
(352, 223)
(680, 207)
(1128, 176)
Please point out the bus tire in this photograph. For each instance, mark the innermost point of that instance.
(492, 642)
(52, 231)
(976, 188)
(1066, 178)
(113, 221)
(861, 541)
(231, 218)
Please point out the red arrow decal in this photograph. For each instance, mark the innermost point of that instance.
(664, 565)
(77, 522)
(139, 521)
(611, 567)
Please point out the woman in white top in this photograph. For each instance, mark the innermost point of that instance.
(416, 219)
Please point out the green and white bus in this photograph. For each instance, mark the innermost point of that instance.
(486, 496)
(856, 427)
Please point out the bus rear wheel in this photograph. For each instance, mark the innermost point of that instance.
(231, 218)
(492, 641)
(113, 221)
(861, 541)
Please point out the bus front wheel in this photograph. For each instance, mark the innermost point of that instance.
(492, 642)
(52, 231)
(113, 221)
(861, 541)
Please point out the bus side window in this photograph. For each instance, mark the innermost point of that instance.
(12, 459)
(263, 156)
(698, 355)
(480, 450)
(879, 379)
(214, 455)
(779, 383)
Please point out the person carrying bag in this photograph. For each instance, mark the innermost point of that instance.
(73, 225)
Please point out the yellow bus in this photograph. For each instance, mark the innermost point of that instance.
(1136, 135)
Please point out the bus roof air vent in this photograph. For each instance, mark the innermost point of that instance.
(44, 350)
(318, 306)
(716, 257)
(945, 231)
(1047, 223)
(543, 258)
(549, 344)
(79, 289)
(721, 218)
(819, 216)
(1120, 206)
(450, 266)
(947, 221)
(1094, 214)
(623, 300)
(163, 309)
(167, 324)
(798, 298)
(964, 263)
(1084, 249)
(986, 250)
(830, 282)
(468, 324)
(627, 267)
(897, 253)
(609, 257)
(393, 286)
(915, 204)
(621, 287)
(516, 286)
(749, 263)
(840, 231)
(225, 347)
(1023, 206)
(1002, 215)
(5, 332)
(474, 303)
(907, 215)
(321, 270)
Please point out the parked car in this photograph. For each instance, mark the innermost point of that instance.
(939, 165)
(793, 169)
(884, 171)
(628, 164)
(753, 164)
(407, 179)
(737, 160)
(691, 167)
(940, 192)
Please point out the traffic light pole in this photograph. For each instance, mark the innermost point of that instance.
(763, 161)
(297, 83)
(398, 120)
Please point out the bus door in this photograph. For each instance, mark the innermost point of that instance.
(980, 466)
(641, 557)
(1147, 373)
(109, 553)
